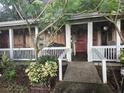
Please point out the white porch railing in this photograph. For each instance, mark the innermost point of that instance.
(19, 53)
(54, 51)
(29, 53)
(122, 47)
(104, 66)
(23, 54)
(108, 52)
(60, 59)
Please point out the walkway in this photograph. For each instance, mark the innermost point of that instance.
(82, 72)
(81, 77)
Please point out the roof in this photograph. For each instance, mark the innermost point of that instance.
(23, 22)
(85, 15)
(79, 17)
(82, 18)
(15, 23)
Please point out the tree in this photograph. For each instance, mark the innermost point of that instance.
(51, 15)
(110, 9)
(6, 13)
(48, 14)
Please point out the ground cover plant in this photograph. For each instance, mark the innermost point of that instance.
(34, 77)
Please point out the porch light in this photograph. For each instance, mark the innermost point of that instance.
(105, 28)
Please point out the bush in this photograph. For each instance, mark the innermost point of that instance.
(42, 73)
(4, 61)
(9, 73)
(8, 69)
(121, 57)
(46, 58)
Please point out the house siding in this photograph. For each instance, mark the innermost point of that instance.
(22, 39)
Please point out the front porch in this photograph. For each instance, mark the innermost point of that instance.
(98, 39)
(92, 38)
(16, 42)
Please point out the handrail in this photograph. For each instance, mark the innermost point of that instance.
(4, 49)
(53, 48)
(110, 46)
(104, 67)
(61, 57)
(23, 49)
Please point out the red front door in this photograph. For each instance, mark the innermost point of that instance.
(81, 41)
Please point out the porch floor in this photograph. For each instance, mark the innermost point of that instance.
(80, 56)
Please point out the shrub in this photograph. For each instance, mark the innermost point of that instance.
(41, 73)
(4, 61)
(121, 56)
(8, 69)
(9, 73)
(46, 58)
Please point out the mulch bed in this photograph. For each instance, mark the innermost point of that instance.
(111, 71)
(21, 84)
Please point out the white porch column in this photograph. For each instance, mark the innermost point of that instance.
(36, 31)
(90, 41)
(118, 40)
(68, 41)
(11, 42)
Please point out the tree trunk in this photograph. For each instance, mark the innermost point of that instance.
(120, 33)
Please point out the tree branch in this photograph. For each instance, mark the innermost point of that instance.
(55, 33)
(119, 5)
(20, 15)
(24, 18)
(49, 25)
(46, 6)
(100, 3)
(109, 19)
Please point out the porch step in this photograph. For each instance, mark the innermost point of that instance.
(82, 72)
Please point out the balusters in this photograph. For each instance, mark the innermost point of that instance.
(108, 52)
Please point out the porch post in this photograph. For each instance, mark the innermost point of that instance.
(11, 42)
(68, 41)
(90, 41)
(118, 40)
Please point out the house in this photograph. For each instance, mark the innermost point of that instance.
(89, 34)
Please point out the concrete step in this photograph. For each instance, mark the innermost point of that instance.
(79, 87)
(82, 72)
